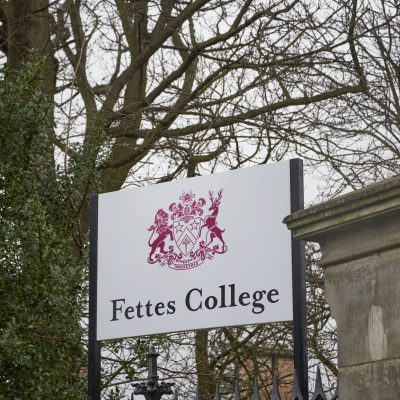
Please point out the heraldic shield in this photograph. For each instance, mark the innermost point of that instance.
(186, 234)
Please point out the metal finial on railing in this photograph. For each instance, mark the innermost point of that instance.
(197, 393)
(217, 393)
(152, 356)
(237, 390)
(319, 390)
(175, 395)
(275, 395)
(296, 393)
(336, 395)
(256, 390)
(151, 389)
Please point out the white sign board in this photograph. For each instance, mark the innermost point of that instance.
(195, 253)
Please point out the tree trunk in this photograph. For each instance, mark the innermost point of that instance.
(28, 24)
(205, 377)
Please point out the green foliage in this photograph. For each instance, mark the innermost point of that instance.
(41, 272)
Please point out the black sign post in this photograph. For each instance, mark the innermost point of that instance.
(94, 347)
(299, 281)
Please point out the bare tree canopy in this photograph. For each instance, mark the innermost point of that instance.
(142, 91)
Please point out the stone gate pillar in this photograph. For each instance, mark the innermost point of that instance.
(359, 234)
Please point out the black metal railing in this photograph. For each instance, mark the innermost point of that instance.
(153, 390)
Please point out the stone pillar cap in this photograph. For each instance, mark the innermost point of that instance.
(314, 223)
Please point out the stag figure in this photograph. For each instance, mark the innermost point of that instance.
(210, 221)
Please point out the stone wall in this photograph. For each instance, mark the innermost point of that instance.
(359, 234)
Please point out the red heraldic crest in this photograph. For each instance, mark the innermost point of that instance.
(185, 237)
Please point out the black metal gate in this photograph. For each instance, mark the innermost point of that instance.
(153, 389)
